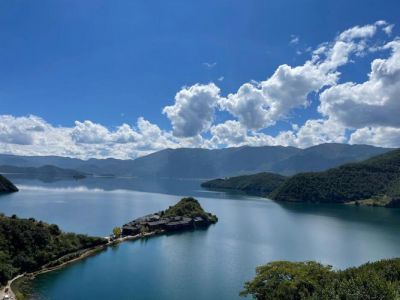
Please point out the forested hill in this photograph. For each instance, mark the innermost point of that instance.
(375, 181)
(27, 244)
(378, 177)
(261, 184)
(6, 185)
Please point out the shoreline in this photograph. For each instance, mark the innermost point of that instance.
(85, 253)
(186, 214)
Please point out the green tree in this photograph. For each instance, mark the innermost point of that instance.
(144, 229)
(283, 280)
(287, 280)
(117, 231)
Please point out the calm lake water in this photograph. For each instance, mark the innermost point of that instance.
(208, 264)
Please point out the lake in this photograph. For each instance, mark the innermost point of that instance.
(205, 264)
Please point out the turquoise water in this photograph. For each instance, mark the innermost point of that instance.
(208, 264)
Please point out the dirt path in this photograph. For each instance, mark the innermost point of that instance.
(8, 287)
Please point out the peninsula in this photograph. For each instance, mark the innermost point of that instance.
(186, 214)
(30, 247)
(6, 186)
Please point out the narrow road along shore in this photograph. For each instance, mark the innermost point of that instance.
(10, 293)
(86, 253)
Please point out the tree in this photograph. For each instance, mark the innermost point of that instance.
(287, 280)
(144, 229)
(283, 280)
(117, 231)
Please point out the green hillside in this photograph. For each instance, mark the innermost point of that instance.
(259, 184)
(189, 207)
(27, 244)
(375, 181)
(376, 178)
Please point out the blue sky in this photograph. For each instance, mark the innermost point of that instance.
(114, 62)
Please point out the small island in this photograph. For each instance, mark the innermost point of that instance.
(186, 214)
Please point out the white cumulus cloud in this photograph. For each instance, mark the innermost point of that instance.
(377, 136)
(374, 102)
(21, 130)
(354, 112)
(193, 110)
(260, 105)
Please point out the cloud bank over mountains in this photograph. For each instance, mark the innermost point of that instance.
(352, 112)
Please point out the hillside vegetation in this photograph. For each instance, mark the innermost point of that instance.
(375, 181)
(283, 280)
(375, 177)
(27, 244)
(258, 184)
(189, 207)
(6, 185)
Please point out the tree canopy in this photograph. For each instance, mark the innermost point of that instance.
(283, 280)
(378, 176)
(376, 180)
(27, 244)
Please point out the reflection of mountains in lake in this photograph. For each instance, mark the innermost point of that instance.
(157, 185)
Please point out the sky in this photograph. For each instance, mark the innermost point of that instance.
(127, 78)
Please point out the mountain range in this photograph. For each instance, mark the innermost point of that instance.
(206, 163)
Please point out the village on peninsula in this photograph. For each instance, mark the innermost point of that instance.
(186, 214)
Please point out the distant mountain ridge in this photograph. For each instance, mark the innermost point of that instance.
(210, 163)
